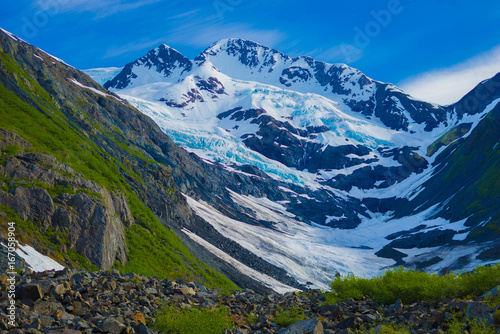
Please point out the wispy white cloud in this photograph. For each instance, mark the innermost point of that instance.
(185, 14)
(196, 29)
(203, 30)
(131, 47)
(101, 8)
(448, 85)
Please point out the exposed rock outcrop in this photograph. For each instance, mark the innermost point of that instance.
(41, 189)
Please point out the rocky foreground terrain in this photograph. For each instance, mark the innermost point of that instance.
(71, 301)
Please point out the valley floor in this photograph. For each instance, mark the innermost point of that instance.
(71, 301)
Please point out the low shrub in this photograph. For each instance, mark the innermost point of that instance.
(411, 286)
(252, 318)
(193, 320)
(286, 317)
(384, 329)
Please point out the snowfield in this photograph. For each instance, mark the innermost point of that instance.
(315, 253)
(36, 261)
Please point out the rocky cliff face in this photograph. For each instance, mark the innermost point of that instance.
(466, 182)
(41, 189)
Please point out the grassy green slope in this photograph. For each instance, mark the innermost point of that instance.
(475, 164)
(466, 183)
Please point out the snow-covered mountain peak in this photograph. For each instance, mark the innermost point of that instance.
(157, 65)
(166, 47)
(238, 47)
(249, 61)
(241, 58)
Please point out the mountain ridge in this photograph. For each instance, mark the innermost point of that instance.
(366, 94)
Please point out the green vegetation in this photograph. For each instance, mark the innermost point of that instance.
(169, 258)
(135, 152)
(385, 329)
(8, 150)
(475, 164)
(81, 260)
(412, 286)
(252, 318)
(496, 317)
(458, 326)
(11, 149)
(448, 138)
(193, 320)
(492, 302)
(54, 135)
(288, 316)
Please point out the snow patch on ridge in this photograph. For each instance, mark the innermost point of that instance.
(307, 253)
(36, 261)
(12, 35)
(76, 82)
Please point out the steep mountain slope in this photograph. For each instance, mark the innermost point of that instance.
(335, 147)
(465, 182)
(84, 173)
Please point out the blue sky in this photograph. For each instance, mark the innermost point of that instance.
(418, 44)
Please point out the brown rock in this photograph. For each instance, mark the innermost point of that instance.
(60, 289)
(438, 318)
(113, 326)
(139, 317)
(31, 291)
(239, 321)
(48, 308)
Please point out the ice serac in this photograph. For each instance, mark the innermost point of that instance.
(159, 63)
